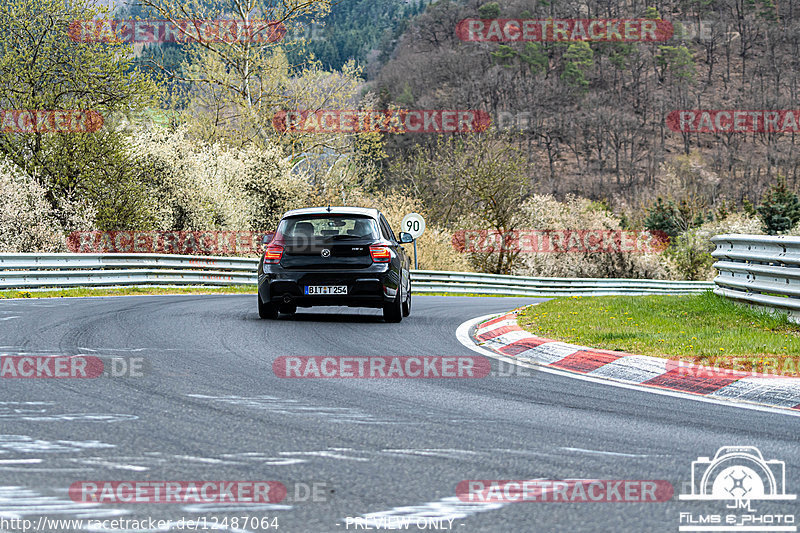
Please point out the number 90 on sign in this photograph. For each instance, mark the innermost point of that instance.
(413, 224)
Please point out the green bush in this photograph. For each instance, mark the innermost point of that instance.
(779, 209)
(490, 10)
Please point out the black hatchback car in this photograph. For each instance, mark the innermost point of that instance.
(335, 256)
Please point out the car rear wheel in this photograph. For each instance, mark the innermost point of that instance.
(393, 311)
(267, 311)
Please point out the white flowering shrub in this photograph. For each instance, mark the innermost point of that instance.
(27, 220)
(198, 186)
(795, 231)
(269, 187)
(689, 255)
(544, 212)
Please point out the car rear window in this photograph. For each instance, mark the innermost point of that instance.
(328, 227)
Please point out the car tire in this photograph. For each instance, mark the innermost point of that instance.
(267, 311)
(407, 305)
(393, 311)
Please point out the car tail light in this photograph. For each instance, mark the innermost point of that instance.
(380, 254)
(273, 254)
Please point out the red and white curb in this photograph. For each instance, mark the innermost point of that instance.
(505, 339)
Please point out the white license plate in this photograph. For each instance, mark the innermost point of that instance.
(326, 289)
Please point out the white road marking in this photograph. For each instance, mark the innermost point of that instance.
(451, 508)
(27, 444)
(99, 461)
(283, 406)
(431, 452)
(115, 349)
(326, 454)
(601, 452)
(69, 417)
(264, 459)
(29, 469)
(210, 460)
(18, 502)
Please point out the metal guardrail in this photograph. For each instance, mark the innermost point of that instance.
(759, 270)
(38, 271)
(472, 283)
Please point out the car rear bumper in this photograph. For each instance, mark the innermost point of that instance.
(370, 287)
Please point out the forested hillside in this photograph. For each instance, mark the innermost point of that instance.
(364, 30)
(593, 115)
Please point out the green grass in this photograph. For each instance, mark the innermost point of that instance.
(703, 328)
(125, 291)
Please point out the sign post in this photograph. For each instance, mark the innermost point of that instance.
(414, 224)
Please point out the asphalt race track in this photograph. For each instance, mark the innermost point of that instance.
(210, 408)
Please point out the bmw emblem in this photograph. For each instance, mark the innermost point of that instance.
(326, 252)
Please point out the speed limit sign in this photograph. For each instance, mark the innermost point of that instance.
(414, 224)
